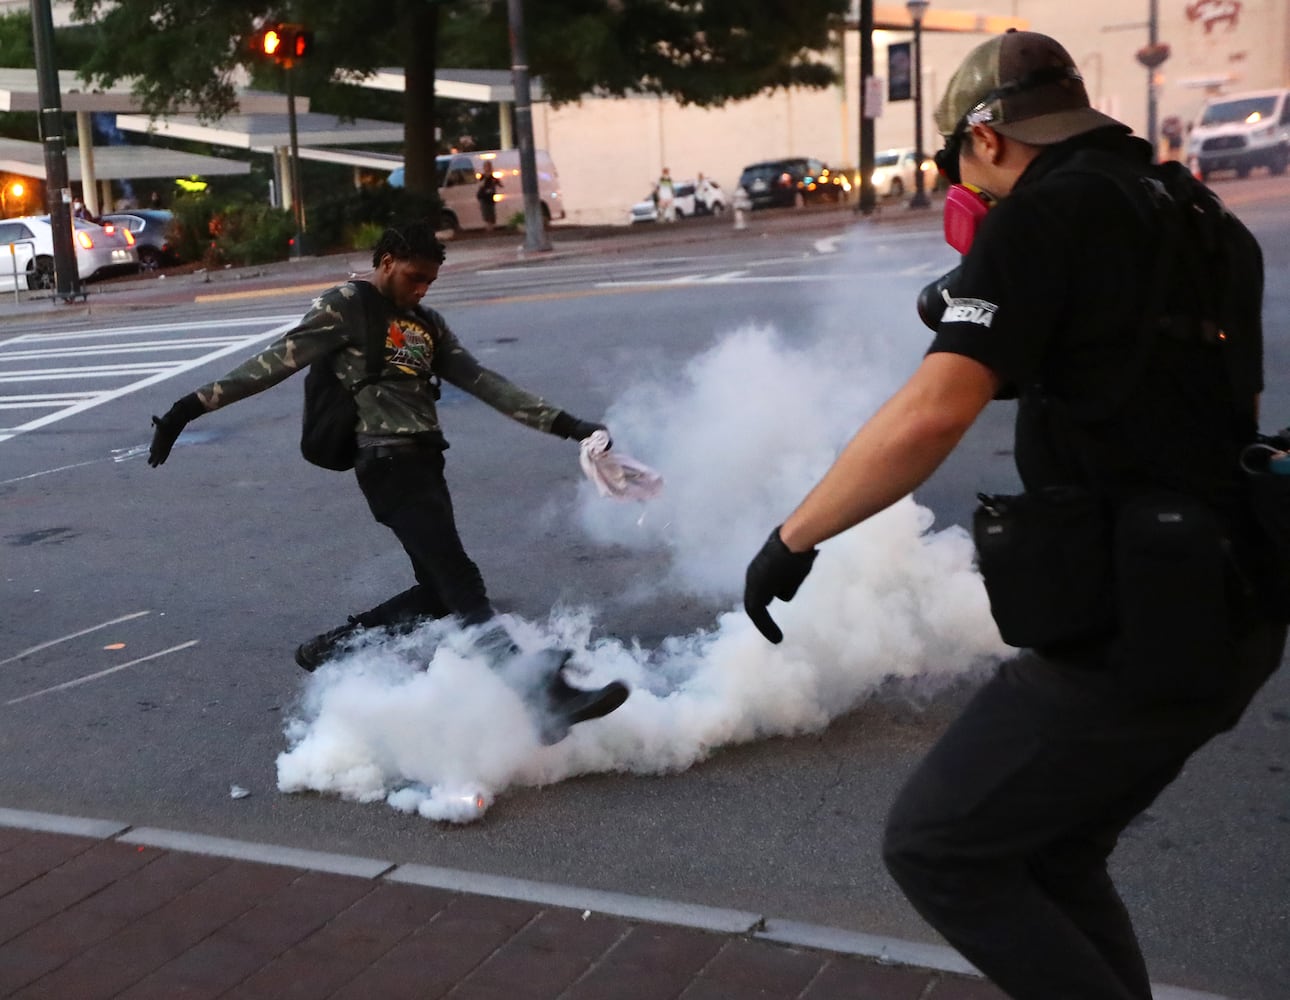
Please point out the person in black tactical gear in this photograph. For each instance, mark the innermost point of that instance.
(400, 461)
(1132, 412)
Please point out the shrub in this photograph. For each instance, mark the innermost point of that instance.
(252, 233)
(189, 232)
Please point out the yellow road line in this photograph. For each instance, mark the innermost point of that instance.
(505, 300)
(261, 293)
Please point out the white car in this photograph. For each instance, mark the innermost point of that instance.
(686, 198)
(893, 173)
(27, 251)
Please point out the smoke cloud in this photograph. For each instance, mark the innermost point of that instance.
(740, 434)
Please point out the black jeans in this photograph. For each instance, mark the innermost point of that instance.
(1001, 836)
(406, 492)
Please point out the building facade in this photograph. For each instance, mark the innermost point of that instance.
(610, 151)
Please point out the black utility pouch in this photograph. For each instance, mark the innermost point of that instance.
(1173, 567)
(1046, 560)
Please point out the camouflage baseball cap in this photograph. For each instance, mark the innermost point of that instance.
(1024, 85)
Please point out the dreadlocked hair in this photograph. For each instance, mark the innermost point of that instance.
(412, 239)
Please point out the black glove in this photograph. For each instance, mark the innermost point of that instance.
(169, 427)
(931, 300)
(566, 425)
(774, 572)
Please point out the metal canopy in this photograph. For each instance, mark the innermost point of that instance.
(264, 131)
(111, 163)
(19, 92)
(349, 157)
(487, 86)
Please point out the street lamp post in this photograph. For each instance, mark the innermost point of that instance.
(917, 8)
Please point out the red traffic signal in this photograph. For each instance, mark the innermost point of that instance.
(283, 42)
(298, 41)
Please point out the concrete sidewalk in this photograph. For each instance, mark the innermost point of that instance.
(92, 909)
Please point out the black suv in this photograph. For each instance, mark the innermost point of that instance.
(793, 181)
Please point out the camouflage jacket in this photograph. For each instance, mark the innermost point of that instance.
(418, 348)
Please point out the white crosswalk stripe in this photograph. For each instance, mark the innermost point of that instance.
(33, 361)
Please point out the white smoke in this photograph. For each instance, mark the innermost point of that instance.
(740, 435)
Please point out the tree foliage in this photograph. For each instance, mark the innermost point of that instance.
(703, 52)
(699, 51)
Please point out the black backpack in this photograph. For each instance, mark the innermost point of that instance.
(1211, 262)
(327, 434)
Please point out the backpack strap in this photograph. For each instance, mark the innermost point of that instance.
(1183, 217)
(373, 304)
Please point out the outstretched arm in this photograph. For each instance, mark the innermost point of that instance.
(892, 454)
(896, 451)
(320, 332)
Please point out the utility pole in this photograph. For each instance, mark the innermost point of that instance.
(297, 200)
(917, 8)
(1151, 56)
(1153, 43)
(534, 229)
(868, 98)
(58, 195)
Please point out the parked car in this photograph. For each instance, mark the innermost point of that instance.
(893, 173)
(687, 199)
(27, 251)
(148, 226)
(793, 181)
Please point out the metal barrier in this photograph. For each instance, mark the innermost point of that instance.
(13, 264)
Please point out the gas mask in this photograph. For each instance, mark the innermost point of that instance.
(965, 204)
(965, 207)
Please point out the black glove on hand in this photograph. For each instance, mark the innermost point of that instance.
(931, 300)
(774, 572)
(169, 427)
(566, 425)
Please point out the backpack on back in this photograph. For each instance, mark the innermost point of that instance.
(328, 436)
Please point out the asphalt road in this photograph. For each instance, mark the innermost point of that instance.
(237, 550)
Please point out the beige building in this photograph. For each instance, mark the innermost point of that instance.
(609, 152)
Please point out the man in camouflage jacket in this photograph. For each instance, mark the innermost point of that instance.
(399, 464)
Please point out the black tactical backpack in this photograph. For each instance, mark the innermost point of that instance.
(327, 435)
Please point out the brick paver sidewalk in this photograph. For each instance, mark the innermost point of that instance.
(83, 918)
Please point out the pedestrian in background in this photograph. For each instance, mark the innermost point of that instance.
(1001, 836)
(666, 195)
(488, 185)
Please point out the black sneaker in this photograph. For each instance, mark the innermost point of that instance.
(566, 706)
(313, 653)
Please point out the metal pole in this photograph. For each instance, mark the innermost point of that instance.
(1153, 24)
(297, 199)
(534, 230)
(868, 196)
(58, 196)
(920, 199)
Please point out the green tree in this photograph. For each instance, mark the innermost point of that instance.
(700, 51)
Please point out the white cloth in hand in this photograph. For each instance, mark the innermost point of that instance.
(617, 475)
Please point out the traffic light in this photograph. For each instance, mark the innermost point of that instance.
(284, 43)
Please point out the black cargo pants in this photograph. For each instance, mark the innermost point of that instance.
(406, 492)
(1000, 838)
